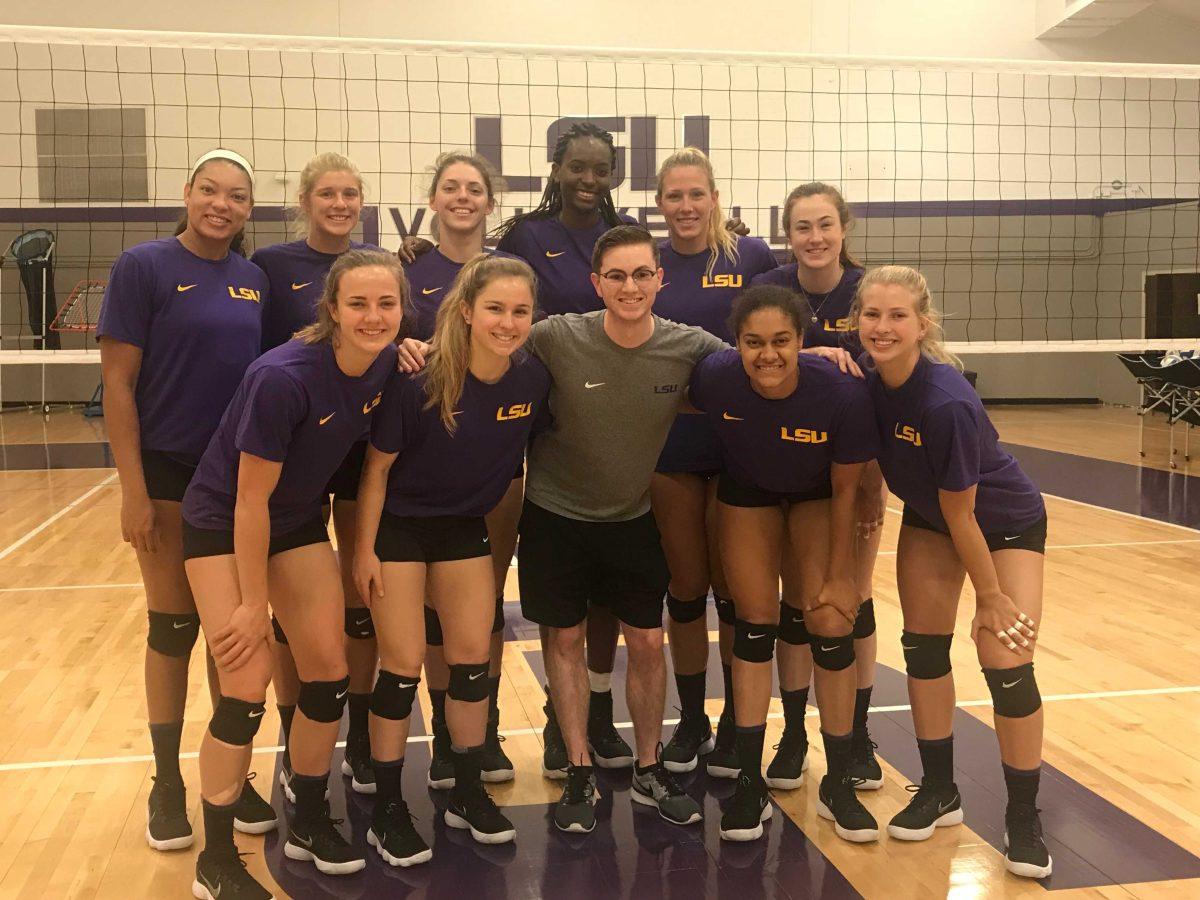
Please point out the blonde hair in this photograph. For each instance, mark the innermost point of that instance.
(321, 164)
(325, 328)
(914, 282)
(821, 189)
(446, 371)
(721, 241)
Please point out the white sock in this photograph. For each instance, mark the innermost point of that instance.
(601, 682)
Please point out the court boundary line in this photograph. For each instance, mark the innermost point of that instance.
(1119, 512)
(34, 532)
(511, 732)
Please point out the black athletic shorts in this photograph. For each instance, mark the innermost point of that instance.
(199, 542)
(166, 476)
(431, 539)
(343, 484)
(1031, 538)
(566, 564)
(734, 493)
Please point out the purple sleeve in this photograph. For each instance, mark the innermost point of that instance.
(765, 277)
(394, 422)
(128, 307)
(856, 438)
(951, 436)
(764, 260)
(275, 405)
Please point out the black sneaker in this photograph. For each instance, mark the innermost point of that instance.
(167, 825)
(838, 802)
(320, 842)
(786, 771)
(691, 738)
(554, 748)
(657, 787)
(609, 749)
(722, 762)
(1025, 852)
(441, 762)
(495, 766)
(225, 878)
(472, 807)
(864, 767)
(357, 763)
(744, 814)
(933, 806)
(576, 808)
(393, 836)
(253, 814)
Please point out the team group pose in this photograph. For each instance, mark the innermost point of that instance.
(657, 421)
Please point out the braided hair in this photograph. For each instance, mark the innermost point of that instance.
(551, 203)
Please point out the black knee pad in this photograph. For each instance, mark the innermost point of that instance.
(1014, 691)
(433, 627)
(926, 656)
(359, 624)
(468, 682)
(725, 611)
(792, 629)
(498, 617)
(864, 622)
(280, 637)
(172, 634)
(684, 611)
(833, 654)
(323, 701)
(393, 695)
(235, 722)
(754, 643)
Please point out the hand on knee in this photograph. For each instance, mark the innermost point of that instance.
(828, 622)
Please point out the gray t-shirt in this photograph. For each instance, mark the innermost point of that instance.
(612, 408)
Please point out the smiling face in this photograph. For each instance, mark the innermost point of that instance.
(501, 316)
(815, 232)
(687, 202)
(769, 345)
(218, 201)
(334, 204)
(584, 175)
(628, 281)
(369, 308)
(461, 200)
(889, 325)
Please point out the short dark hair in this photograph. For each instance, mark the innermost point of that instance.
(623, 236)
(769, 296)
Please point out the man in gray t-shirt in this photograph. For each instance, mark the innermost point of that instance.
(587, 534)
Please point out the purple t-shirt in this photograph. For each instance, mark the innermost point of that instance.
(198, 323)
(936, 434)
(465, 473)
(831, 312)
(295, 406)
(562, 259)
(430, 278)
(785, 446)
(297, 275)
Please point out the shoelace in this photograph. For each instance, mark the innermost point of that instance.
(579, 786)
(662, 775)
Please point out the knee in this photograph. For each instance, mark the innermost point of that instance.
(1014, 691)
(566, 641)
(359, 625)
(926, 656)
(393, 695)
(236, 721)
(469, 682)
(827, 622)
(323, 701)
(172, 634)
(792, 629)
(684, 611)
(644, 645)
(754, 643)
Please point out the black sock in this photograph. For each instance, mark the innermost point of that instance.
(600, 706)
(437, 703)
(1022, 784)
(862, 703)
(493, 698)
(837, 754)
(794, 704)
(286, 713)
(360, 706)
(466, 766)
(310, 795)
(749, 744)
(727, 677)
(165, 739)
(937, 759)
(218, 829)
(387, 779)
(691, 694)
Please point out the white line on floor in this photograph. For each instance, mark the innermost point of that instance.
(17, 544)
(1091, 546)
(75, 587)
(1120, 512)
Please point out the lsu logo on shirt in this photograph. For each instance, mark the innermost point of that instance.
(245, 294)
(721, 281)
(908, 433)
(803, 435)
(666, 389)
(516, 411)
(372, 403)
(837, 325)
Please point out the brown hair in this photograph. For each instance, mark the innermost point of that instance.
(325, 327)
(914, 282)
(491, 179)
(720, 239)
(821, 189)
(622, 236)
(321, 164)
(238, 244)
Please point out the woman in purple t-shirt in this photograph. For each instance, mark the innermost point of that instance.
(969, 510)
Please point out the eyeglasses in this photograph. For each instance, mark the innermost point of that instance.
(616, 278)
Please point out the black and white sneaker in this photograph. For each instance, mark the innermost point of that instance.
(554, 748)
(356, 764)
(225, 878)
(864, 767)
(576, 808)
(933, 806)
(253, 814)
(786, 771)
(1025, 852)
(609, 749)
(495, 766)
(471, 807)
(285, 781)
(393, 836)
(749, 807)
(318, 841)
(167, 825)
(722, 762)
(441, 761)
(838, 802)
(692, 737)
(657, 787)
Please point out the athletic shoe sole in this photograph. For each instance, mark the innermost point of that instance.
(788, 784)
(300, 854)
(255, 827)
(482, 837)
(689, 765)
(288, 793)
(495, 776)
(611, 762)
(442, 784)
(748, 834)
(576, 828)
(722, 771)
(179, 843)
(1026, 870)
(416, 859)
(357, 786)
(554, 774)
(638, 797)
(200, 892)
(867, 784)
(954, 817)
(855, 836)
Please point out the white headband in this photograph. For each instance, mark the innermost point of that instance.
(222, 153)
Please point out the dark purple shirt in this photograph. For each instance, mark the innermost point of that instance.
(562, 259)
(936, 434)
(430, 279)
(297, 275)
(785, 446)
(830, 326)
(465, 473)
(198, 323)
(296, 407)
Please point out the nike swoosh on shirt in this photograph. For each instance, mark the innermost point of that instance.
(589, 385)
(727, 417)
(326, 419)
(550, 255)
(184, 287)
(296, 287)
(428, 291)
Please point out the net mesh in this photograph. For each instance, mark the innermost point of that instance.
(81, 312)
